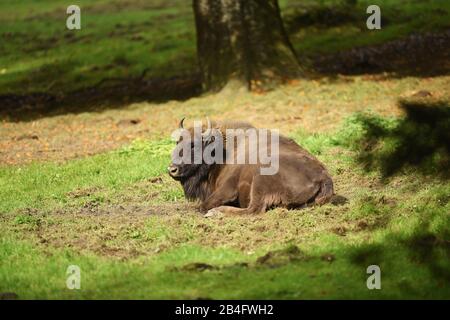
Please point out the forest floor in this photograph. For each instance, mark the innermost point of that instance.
(83, 159)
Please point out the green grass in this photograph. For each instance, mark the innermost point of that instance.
(401, 225)
(46, 185)
(38, 54)
(398, 19)
(125, 223)
(413, 262)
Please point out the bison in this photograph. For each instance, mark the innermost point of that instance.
(232, 188)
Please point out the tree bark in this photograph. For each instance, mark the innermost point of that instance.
(243, 42)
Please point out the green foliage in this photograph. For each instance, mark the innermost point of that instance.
(419, 140)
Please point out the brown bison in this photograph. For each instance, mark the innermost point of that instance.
(234, 187)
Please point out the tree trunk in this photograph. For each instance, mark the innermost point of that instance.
(244, 42)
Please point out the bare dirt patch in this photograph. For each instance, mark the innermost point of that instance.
(116, 231)
(82, 192)
(126, 232)
(271, 259)
(135, 230)
(280, 257)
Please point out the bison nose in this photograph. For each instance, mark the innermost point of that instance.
(173, 170)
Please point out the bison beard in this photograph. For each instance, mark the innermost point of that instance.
(233, 189)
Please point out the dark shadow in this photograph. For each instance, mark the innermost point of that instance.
(421, 247)
(426, 248)
(418, 55)
(338, 200)
(420, 140)
(322, 16)
(107, 94)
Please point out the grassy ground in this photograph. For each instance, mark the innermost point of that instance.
(119, 218)
(117, 39)
(121, 39)
(315, 26)
(90, 189)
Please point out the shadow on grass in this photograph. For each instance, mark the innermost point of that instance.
(420, 140)
(324, 16)
(107, 94)
(422, 247)
(399, 48)
(418, 55)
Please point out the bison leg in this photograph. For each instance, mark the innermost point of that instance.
(233, 211)
(325, 193)
(256, 205)
(219, 198)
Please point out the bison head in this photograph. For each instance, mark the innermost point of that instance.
(196, 151)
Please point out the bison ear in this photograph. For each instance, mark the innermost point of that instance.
(221, 133)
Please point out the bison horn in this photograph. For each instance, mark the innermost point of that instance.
(208, 131)
(181, 124)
